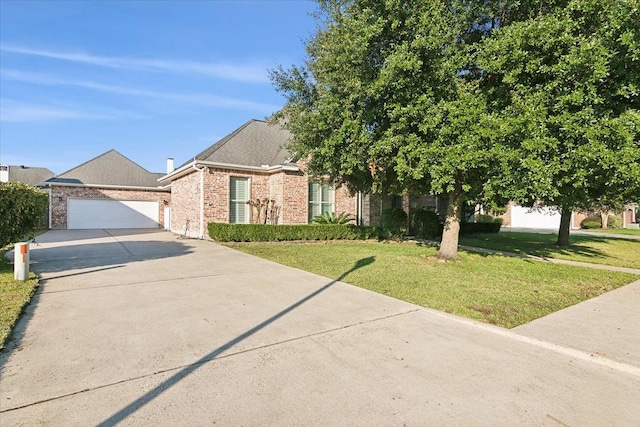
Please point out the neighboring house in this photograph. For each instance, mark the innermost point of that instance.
(544, 217)
(253, 164)
(26, 174)
(108, 191)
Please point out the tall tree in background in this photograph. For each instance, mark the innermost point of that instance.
(390, 99)
(567, 84)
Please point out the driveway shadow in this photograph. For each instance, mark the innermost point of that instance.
(93, 255)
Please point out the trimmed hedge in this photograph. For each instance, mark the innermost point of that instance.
(591, 224)
(223, 232)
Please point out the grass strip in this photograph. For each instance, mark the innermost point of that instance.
(14, 296)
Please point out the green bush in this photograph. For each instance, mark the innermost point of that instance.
(330, 218)
(591, 219)
(275, 233)
(393, 223)
(483, 218)
(21, 210)
(590, 224)
(425, 223)
(614, 222)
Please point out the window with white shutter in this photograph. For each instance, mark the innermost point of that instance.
(321, 197)
(239, 209)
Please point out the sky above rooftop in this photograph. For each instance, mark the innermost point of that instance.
(151, 79)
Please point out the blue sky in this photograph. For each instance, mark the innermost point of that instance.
(151, 79)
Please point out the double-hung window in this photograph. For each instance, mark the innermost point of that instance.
(239, 209)
(321, 197)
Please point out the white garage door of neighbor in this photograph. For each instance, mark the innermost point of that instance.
(107, 213)
(536, 218)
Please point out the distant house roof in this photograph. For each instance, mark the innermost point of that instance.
(256, 143)
(29, 175)
(109, 169)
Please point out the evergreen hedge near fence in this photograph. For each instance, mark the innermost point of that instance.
(21, 210)
(223, 232)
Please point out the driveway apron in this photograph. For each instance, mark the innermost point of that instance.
(137, 327)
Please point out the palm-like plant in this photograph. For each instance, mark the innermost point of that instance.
(330, 218)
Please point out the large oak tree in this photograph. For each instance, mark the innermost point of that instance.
(389, 99)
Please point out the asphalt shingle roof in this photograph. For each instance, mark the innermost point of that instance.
(29, 175)
(110, 168)
(255, 143)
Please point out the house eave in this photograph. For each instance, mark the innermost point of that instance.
(193, 166)
(114, 187)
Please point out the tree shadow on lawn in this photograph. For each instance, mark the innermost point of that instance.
(541, 245)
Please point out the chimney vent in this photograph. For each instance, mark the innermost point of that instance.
(170, 167)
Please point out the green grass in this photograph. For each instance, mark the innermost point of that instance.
(593, 249)
(14, 296)
(491, 288)
(621, 231)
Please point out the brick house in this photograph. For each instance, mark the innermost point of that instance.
(252, 164)
(108, 191)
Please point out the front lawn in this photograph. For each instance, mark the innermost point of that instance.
(14, 295)
(490, 288)
(593, 249)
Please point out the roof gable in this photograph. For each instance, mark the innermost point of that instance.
(110, 168)
(29, 175)
(256, 143)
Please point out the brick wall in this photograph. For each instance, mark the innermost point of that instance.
(289, 189)
(60, 194)
(185, 205)
(345, 202)
(217, 191)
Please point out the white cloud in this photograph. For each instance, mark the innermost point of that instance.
(15, 111)
(243, 73)
(186, 98)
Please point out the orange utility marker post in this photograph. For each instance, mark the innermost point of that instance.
(21, 261)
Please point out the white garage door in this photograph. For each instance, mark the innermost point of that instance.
(107, 213)
(535, 218)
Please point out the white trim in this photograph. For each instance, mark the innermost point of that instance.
(186, 169)
(115, 187)
(202, 203)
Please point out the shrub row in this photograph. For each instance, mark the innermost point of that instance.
(275, 233)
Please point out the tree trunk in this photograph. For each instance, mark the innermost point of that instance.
(563, 233)
(449, 244)
(604, 219)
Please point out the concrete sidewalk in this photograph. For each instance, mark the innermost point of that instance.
(146, 329)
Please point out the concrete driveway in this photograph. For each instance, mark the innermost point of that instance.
(142, 328)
